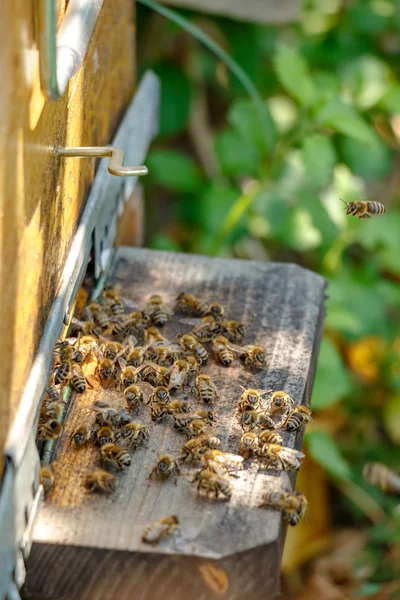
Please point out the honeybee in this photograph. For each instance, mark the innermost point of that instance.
(178, 406)
(52, 404)
(300, 415)
(182, 420)
(222, 350)
(253, 357)
(111, 349)
(46, 477)
(206, 388)
(129, 376)
(156, 375)
(250, 400)
(233, 330)
(62, 373)
(364, 210)
(50, 430)
(81, 436)
(178, 374)
(189, 303)
(136, 357)
(295, 508)
(135, 321)
(203, 440)
(279, 458)
(206, 329)
(78, 380)
(84, 327)
(194, 367)
(384, 478)
(107, 415)
(161, 355)
(211, 483)
(64, 351)
(100, 317)
(160, 395)
(158, 312)
(134, 397)
(87, 345)
(115, 456)
(225, 459)
(269, 436)
(165, 467)
(101, 481)
(190, 343)
(105, 435)
(125, 417)
(52, 394)
(133, 435)
(106, 369)
(113, 301)
(159, 529)
(248, 444)
(216, 310)
(196, 428)
(155, 338)
(159, 412)
(279, 401)
(252, 419)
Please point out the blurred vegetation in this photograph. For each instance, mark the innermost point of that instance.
(223, 183)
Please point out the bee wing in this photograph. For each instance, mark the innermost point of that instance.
(235, 348)
(153, 533)
(292, 452)
(190, 321)
(130, 342)
(122, 362)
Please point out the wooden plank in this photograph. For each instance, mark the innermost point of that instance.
(283, 306)
(255, 11)
(41, 196)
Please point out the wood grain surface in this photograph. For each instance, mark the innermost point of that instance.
(283, 307)
(42, 196)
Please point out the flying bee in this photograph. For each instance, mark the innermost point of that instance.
(206, 388)
(160, 395)
(134, 397)
(300, 415)
(101, 481)
(206, 329)
(156, 375)
(107, 416)
(252, 419)
(81, 436)
(46, 477)
(364, 210)
(105, 435)
(165, 467)
(50, 430)
(189, 303)
(295, 508)
(211, 483)
(222, 350)
(178, 374)
(191, 344)
(269, 436)
(248, 444)
(100, 317)
(225, 459)
(158, 312)
(384, 478)
(250, 400)
(115, 456)
(111, 349)
(85, 327)
(279, 401)
(233, 330)
(279, 458)
(253, 357)
(159, 529)
(133, 435)
(178, 406)
(204, 440)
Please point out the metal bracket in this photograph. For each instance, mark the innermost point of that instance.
(115, 166)
(20, 493)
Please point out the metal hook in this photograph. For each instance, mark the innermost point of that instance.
(115, 166)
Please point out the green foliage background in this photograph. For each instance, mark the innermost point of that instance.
(268, 185)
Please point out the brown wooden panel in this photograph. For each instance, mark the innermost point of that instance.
(283, 307)
(41, 196)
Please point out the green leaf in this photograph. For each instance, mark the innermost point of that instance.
(320, 217)
(215, 203)
(238, 156)
(370, 161)
(246, 119)
(391, 418)
(319, 159)
(292, 72)
(391, 100)
(367, 79)
(343, 118)
(174, 170)
(324, 450)
(175, 98)
(369, 589)
(162, 241)
(332, 381)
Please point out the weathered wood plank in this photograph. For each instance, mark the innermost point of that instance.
(41, 196)
(283, 306)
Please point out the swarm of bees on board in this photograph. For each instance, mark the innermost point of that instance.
(152, 373)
